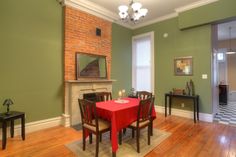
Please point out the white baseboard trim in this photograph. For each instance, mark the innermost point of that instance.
(66, 120)
(186, 114)
(35, 126)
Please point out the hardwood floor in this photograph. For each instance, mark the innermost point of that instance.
(187, 140)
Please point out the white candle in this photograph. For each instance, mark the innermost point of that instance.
(120, 93)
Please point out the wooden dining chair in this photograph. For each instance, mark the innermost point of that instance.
(143, 95)
(144, 119)
(103, 96)
(91, 123)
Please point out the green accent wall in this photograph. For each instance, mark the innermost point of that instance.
(121, 66)
(31, 57)
(31, 54)
(194, 42)
(214, 12)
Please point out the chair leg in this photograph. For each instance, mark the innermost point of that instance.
(97, 144)
(137, 138)
(84, 141)
(149, 133)
(100, 136)
(124, 131)
(90, 138)
(120, 137)
(151, 127)
(132, 132)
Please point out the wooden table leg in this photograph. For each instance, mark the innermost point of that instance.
(194, 110)
(12, 128)
(165, 105)
(23, 127)
(170, 103)
(4, 134)
(197, 108)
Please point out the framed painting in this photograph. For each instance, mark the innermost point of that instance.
(183, 66)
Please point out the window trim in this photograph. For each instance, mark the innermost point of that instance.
(151, 35)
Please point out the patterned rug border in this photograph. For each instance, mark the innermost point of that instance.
(127, 149)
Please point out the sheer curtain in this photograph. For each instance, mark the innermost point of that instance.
(142, 63)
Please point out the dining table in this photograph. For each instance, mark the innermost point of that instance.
(121, 113)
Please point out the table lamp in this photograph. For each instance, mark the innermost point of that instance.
(7, 103)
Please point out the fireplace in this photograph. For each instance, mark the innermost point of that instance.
(77, 89)
(90, 96)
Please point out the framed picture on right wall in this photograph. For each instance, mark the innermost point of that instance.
(183, 66)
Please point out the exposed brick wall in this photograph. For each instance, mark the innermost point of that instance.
(80, 36)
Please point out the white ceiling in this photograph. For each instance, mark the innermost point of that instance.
(157, 9)
(223, 30)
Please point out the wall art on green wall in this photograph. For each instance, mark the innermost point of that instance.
(183, 66)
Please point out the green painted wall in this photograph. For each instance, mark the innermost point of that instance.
(194, 42)
(214, 12)
(31, 57)
(121, 66)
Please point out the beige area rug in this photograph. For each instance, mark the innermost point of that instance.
(127, 149)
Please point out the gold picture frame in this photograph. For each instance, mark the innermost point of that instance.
(183, 66)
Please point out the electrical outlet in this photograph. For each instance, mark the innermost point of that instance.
(182, 105)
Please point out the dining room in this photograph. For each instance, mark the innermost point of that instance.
(84, 78)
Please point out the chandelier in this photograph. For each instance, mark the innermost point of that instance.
(133, 12)
(230, 50)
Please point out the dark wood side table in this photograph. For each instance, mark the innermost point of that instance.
(195, 99)
(4, 118)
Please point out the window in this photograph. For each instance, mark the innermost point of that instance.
(143, 62)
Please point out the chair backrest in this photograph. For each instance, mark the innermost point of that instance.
(145, 110)
(88, 113)
(103, 96)
(144, 95)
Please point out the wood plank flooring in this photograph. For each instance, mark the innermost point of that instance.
(187, 140)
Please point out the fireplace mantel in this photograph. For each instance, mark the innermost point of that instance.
(89, 81)
(74, 90)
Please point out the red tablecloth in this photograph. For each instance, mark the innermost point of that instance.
(120, 115)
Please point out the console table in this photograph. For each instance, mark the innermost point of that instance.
(195, 99)
(4, 118)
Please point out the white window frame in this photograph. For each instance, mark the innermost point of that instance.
(151, 35)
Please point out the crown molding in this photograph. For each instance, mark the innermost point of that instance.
(159, 19)
(194, 5)
(99, 11)
(93, 9)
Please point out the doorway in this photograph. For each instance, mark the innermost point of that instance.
(224, 72)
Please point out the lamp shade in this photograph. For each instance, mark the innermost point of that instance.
(123, 8)
(143, 11)
(7, 102)
(136, 6)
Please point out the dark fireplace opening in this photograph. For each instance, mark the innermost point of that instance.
(90, 96)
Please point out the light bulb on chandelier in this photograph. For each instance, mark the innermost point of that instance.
(133, 12)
